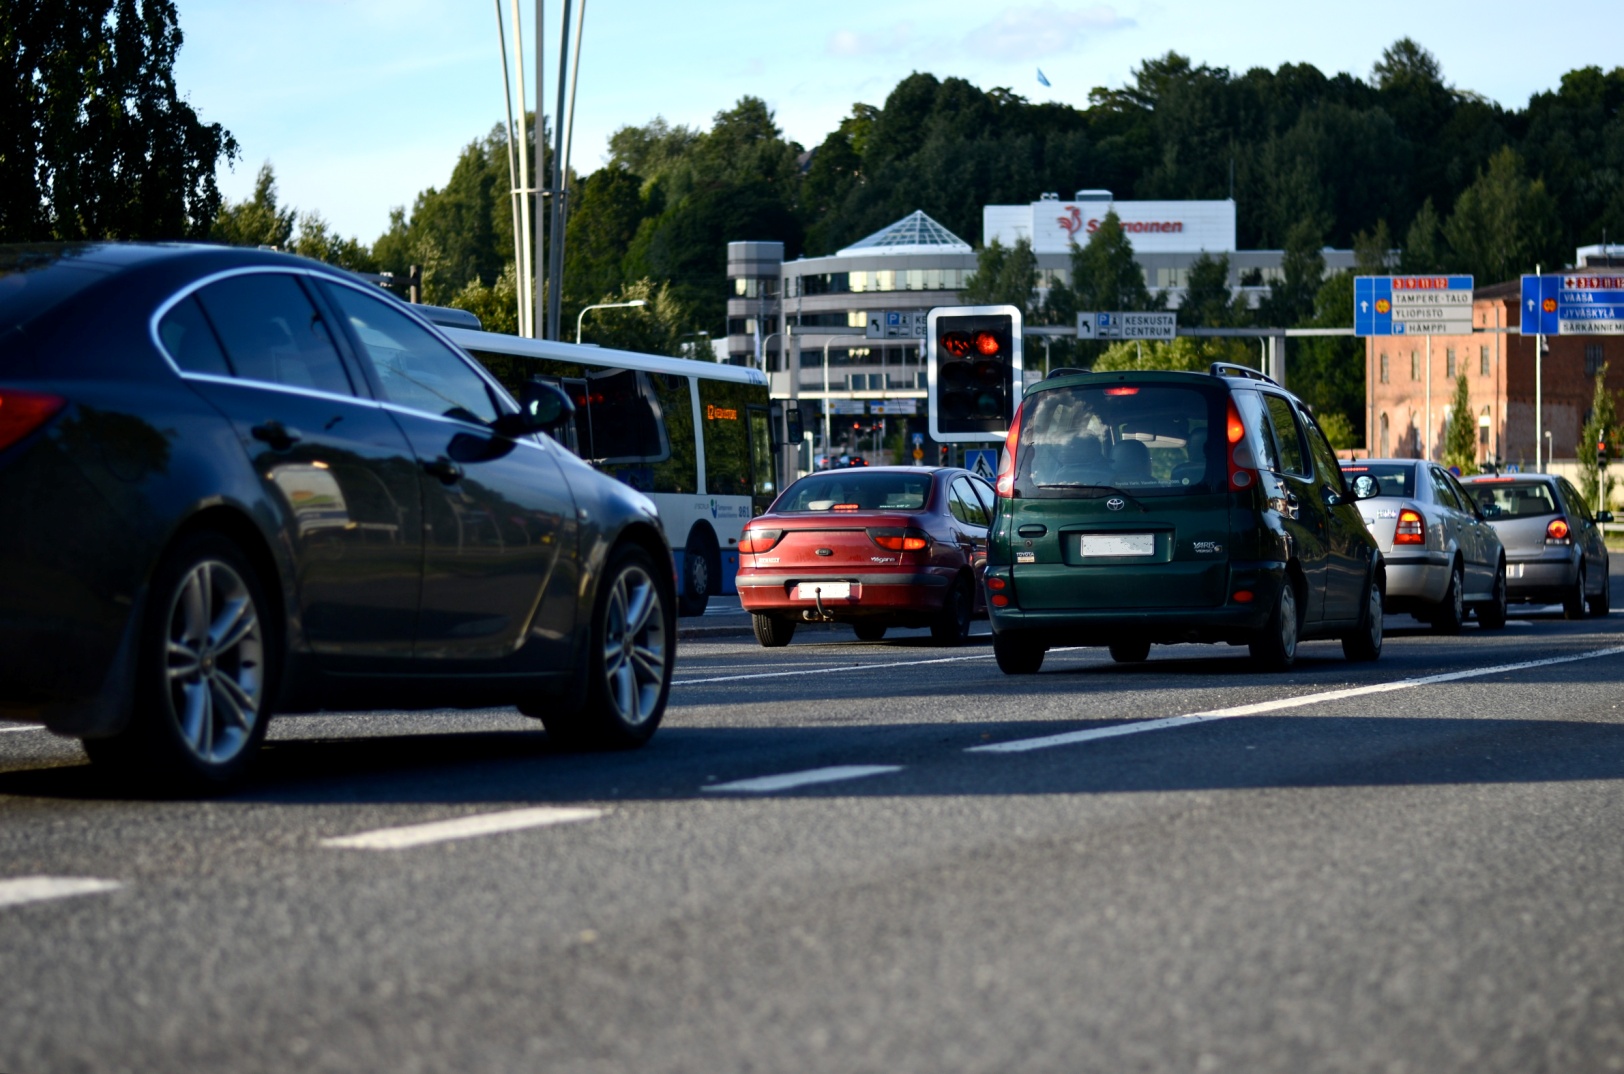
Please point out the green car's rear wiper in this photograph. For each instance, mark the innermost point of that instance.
(1104, 490)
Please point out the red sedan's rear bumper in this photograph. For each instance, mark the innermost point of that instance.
(914, 590)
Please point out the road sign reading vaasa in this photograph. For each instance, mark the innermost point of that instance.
(1573, 304)
(1412, 305)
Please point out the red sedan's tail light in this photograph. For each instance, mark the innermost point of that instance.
(896, 539)
(758, 539)
(1558, 532)
(22, 412)
(1410, 530)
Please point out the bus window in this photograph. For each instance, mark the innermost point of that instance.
(676, 469)
(765, 486)
(625, 418)
(722, 415)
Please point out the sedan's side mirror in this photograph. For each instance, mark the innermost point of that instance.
(1366, 487)
(543, 407)
(1604, 516)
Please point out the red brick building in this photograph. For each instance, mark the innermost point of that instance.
(1499, 368)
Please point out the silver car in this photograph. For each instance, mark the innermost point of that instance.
(1555, 553)
(1443, 558)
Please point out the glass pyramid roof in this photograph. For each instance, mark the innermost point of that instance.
(915, 233)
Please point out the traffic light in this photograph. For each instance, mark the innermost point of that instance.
(974, 375)
(1601, 451)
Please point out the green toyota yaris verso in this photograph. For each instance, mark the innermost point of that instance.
(1141, 508)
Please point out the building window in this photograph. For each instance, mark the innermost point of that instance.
(1415, 366)
(1449, 363)
(1384, 369)
(1386, 449)
(1483, 361)
(1594, 357)
(1483, 420)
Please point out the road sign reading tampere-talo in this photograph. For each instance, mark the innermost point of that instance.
(1126, 324)
(1412, 305)
(1573, 304)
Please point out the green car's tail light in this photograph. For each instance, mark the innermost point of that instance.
(1006, 468)
(22, 412)
(1242, 466)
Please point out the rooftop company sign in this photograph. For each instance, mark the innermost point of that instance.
(1151, 226)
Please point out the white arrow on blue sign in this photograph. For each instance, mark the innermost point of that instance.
(1412, 305)
(1573, 304)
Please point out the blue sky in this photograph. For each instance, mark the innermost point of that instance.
(359, 104)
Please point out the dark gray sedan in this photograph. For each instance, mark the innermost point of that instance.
(1555, 553)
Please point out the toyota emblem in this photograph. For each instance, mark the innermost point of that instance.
(1116, 503)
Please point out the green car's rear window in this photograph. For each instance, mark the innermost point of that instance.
(1147, 439)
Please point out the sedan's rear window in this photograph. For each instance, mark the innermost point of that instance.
(1148, 438)
(35, 278)
(856, 491)
(1395, 478)
(1523, 500)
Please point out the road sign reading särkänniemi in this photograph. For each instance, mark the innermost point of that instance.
(1126, 324)
(1573, 304)
(1412, 305)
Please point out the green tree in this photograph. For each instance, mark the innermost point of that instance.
(1503, 223)
(1104, 274)
(1460, 438)
(1003, 277)
(95, 140)
(316, 239)
(1291, 298)
(1601, 425)
(1328, 372)
(661, 327)
(259, 221)
(1189, 354)
(1208, 300)
(1424, 249)
(607, 209)
(495, 304)
(1373, 253)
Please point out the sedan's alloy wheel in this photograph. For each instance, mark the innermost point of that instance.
(635, 649)
(214, 662)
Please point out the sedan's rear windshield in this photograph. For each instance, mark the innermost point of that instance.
(1147, 439)
(849, 490)
(35, 278)
(1528, 499)
(1395, 478)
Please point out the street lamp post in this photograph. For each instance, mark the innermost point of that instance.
(604, 306)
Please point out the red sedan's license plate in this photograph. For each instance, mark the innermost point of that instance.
(824, 591)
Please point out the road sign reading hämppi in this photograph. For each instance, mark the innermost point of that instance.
(1412, 305)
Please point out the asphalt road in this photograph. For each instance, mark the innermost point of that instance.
(1185, 865)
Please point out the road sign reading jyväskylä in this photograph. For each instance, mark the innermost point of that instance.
(1125, 324)
(1412, 305)
(1573, 304)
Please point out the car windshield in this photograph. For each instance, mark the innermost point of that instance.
(860, 491)
(1395, 478)
(1525, 499)
(1147, 439)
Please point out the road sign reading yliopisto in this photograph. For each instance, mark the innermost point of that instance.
(1412, 305)
(1122, 324)
(1573, 304)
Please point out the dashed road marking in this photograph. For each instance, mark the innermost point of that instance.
(832, 774)
(850, 667)
(23, 727)
(1071, 738)
(24, 889)
(441, 831)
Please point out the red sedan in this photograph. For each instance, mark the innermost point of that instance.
(879, 547)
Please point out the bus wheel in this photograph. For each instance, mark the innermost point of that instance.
(699, 577)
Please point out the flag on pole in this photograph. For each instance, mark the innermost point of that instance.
(1041, 79)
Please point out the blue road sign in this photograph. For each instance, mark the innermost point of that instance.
(1412, 305)
(918, 439)
(983, 462)
(1573, 304)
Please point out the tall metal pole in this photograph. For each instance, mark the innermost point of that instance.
(516, 185)
(539, 293)
(555, 258)
(1539, 389)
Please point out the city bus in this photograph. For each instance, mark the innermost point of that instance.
(694, 436)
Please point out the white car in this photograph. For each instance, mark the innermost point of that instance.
(1443, 557)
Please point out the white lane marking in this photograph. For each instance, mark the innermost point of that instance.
(1021, 745)
(440, 831)
(767, 784)
(850, 667)
(40, 888)
(24, 727)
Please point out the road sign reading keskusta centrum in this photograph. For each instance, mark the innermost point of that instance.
(1412, 305)
(1573, 304)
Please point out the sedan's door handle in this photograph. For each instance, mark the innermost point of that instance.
(277, 435)
(443, 468)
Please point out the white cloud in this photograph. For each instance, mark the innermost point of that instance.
(893, 38)
(1046, 30)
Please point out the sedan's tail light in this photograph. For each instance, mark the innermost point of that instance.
(758, 539)
(22, 412)
(896, 539)
(1558, 532)
(1411, 529)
